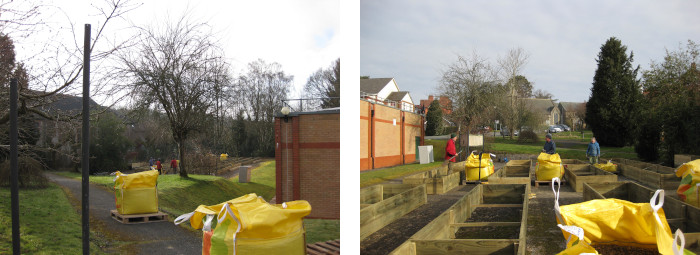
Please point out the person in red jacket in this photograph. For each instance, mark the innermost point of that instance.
(450, 149)
(159, 166)
(173, 165)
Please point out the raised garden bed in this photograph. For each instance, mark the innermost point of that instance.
(573, 161)
(578, 174)
(678, 213)
(437, 180)
(384, 203)
(489, 219)
(652, 175)
(514, 172)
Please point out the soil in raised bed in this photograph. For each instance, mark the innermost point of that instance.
(503, 200)
(498, 232)
(609, 249)
(496, 214)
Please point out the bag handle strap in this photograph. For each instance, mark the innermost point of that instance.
(660, 195)
(207, 222)
(573, 230)
(676, 249)
(226, 209)
(556, 199)
(183, 218)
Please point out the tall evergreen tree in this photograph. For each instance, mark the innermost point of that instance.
(434, 119)
(613, 107)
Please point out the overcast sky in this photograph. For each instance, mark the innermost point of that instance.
(301, 35)
(413, 41)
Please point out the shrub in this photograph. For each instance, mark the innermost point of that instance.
(30, 170)
(528, 136)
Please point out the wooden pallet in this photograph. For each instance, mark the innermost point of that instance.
(321, 248)
(138, 218)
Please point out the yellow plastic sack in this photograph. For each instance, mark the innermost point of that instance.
(249, 225)
(689, 188)
(223, 157)
(136, 193)
(548, 167)
(618, 222)
(472, 167)
(576, 246)
(610, 167)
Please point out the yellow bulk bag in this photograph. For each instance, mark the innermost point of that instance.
(617, 222)
(689, 188)
(548, 167)
(249, 225)
(472, 167)
(610, 167)
(136, 193)
(223, 157)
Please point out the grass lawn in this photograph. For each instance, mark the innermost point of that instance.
(48, 223)
(178, 196)
(438, 148)
(378, 176)
(575, 151)
(318, 230)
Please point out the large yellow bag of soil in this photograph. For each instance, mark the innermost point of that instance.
(577, 246)
(609, 166)
(249, 225)
(689, 188)
(472, 167)
(617, 222)
(548, 167)
(136, 193)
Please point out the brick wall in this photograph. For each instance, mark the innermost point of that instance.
(308, 162)
(388, 136)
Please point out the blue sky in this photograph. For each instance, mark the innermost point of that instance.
(413, 41)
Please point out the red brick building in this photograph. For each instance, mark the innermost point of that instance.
(445, 103)
(307, 156)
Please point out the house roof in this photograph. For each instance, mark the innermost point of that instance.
(397, 96)
(373, 85)
(540, 105)
(570, 106)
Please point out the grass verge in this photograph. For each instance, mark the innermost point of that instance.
(381, 175)
(178, 196)
(575, 151)
(48, 223)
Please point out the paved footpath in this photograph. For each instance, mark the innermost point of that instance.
(146, 238)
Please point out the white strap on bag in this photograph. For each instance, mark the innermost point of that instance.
(222, 216)
(183, 218)
(655, 206)
(575, 231)
(676, 249)
(556, 199)
(207, 222)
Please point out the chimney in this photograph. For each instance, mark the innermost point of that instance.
(430, 98)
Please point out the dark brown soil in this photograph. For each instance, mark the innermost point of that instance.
(393, 235)
(608, 249)
(498, 214)
(510, 232)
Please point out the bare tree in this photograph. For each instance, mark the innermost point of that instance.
(471, 84)
(512, 110)
(177, 68)
(542, 94)
(46, 87)
(324, 84)
(263, 89)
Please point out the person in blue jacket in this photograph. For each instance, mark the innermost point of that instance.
(593, 151)
(549, 146)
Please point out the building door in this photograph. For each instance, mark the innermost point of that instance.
(417, 144)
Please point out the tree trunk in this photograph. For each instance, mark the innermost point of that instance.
(181, 149)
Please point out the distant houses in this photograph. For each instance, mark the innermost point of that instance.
(385, 91)
(553, 113)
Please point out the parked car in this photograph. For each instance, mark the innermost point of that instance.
(564, 127)
(506, 132)
(553, 129)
